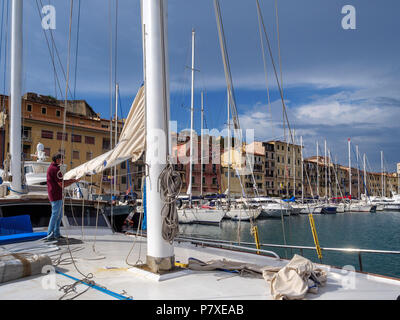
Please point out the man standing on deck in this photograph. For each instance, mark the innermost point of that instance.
(55, 191)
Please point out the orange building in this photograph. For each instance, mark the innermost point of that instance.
(86, 134)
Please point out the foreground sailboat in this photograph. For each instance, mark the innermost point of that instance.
(98, 266)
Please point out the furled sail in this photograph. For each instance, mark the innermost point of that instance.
(130, 146)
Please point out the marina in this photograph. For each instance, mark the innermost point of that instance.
(137, 208)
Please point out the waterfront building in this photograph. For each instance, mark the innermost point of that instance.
(287, 168)
(270, 183)
(86, 134)
(206, 174)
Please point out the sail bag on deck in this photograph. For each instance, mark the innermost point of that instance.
(131, 143)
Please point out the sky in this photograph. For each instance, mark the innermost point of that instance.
(337, 84)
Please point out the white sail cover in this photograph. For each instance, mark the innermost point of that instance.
(130, 146)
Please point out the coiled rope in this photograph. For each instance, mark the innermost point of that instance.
(170, 185)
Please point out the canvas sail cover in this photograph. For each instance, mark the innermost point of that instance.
(131, 143)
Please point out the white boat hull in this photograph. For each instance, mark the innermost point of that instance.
(203, 216)
(272, 213)
(243, 214)
(358, 208)
(394, 206)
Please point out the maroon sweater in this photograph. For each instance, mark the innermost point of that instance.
(54, 176)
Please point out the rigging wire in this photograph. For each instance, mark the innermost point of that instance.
(50, 51)
(56, 49)
(5, 57)
(265, 72)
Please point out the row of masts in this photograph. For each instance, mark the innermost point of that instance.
(328, 164)
(327, 172)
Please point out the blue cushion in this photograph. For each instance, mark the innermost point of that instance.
(22, 237)
(15, 225)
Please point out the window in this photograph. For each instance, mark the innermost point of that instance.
(29, 108)
(58, 113)
(89, 140)
(44, 110)
(76, 138)
(123, 180)
(106, 144)
(75, 155)
(204, 180)
(26, 133)
(47, 134)
(214, 181)
(89, 155)
(123, 165)
(47, 151)
(193, 180)
(60, 136)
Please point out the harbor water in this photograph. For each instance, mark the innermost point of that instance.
(375, 231)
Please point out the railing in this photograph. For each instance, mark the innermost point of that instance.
(233, 245)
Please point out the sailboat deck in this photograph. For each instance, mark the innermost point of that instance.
(110, 270)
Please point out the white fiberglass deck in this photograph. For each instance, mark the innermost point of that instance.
(111, 271)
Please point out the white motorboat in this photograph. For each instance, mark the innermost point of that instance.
(272, 208)
(359, 207)
(307, 208)
(201, 215)
(243, 214)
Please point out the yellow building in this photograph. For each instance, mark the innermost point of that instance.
(287, 168)
(245, 170)
(86, 135)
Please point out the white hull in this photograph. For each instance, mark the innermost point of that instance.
(358, 208)
(304, 209)
(394, 206)
(273, 213)
(204, 216)
(243, 214)
(340, 208)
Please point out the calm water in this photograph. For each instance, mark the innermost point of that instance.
(378, 231)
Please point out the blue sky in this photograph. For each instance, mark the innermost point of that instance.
(337, 83)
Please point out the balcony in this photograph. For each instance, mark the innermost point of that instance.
(26, 136)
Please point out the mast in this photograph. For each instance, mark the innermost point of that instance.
(201, 146)
(116, 134)
(326, 171)
(349, 147)
(317, 171)
(302, 170)
(189, 191)
(365, 179)
(358, 175)
(15, 94)
(160, 253)
(229, 151)
(329, 174)
(383, 189)
(336, 168)
(294, 166)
